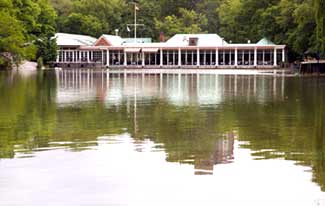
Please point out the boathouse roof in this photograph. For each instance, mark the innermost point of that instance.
(265, 42)
(139, 40)
(64, 39)
(178, 40)
(109, 40)
(202, 40)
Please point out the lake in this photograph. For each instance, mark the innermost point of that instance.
(85, 137)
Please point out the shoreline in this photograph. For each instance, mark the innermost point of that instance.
(277, 72)
(27, 66)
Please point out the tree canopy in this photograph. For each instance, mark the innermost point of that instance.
(25, 26)
(299, 24)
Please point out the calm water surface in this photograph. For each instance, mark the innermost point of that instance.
(81, 137)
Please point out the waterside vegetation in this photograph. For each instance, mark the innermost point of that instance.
(28, 25)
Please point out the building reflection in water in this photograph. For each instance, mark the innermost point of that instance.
(223, 153)
(130, 89)
(112, 87)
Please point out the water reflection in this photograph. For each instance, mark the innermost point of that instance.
(194, 119)
(113, 87)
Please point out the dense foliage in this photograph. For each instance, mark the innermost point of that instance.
(26, 29)
(296, 23)
(28, 24)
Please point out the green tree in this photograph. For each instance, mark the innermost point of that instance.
(46, 45)
(46, 49)
(319, 6)
(148, 10)
(12, 41)
(209, 7)
(229, 13)
(27, 12)
(23, 24)
(189, 22)
(108, 12)
(172, 7)
(83, 24)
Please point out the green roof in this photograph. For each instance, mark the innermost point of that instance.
(265, 41)
(139, 40)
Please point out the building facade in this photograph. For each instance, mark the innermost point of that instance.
(180, 51)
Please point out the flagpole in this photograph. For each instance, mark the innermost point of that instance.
(135, 22)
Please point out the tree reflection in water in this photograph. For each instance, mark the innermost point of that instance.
(195, 118)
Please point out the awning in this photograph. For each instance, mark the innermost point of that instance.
(150, 50)
(132, 50)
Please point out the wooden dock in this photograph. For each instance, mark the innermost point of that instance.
(312, 67)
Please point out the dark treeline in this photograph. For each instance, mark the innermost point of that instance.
(299, 24)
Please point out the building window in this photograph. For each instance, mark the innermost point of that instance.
(193, 41)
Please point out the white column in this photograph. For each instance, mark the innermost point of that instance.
(57, 56)
(283, 55)
(255, 56)
(107, 57)
(217, 57)
(63, 56)
(136, 58)
(143, 63)
(179, 57)
(210, 57)
(161, 57)
(230, 57)
(224, 57)
(79, 56)
(87, 56)
(150, 59)
(198, 57)
(103, 57)
(205, 58)
(243, 57)
(174, 57)
(249, 57)
(263, 57)
(236, 57)
(125, 59)
(186, 57)
(167, 57)
(275, 58)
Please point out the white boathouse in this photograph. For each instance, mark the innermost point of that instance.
(180, 51)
